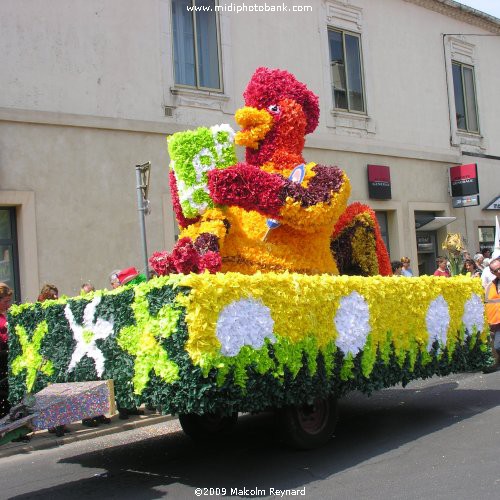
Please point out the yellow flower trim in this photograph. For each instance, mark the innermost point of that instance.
(304, 308)
(256, 123)
(212, 223)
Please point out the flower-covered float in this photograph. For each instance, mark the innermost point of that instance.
(248, 312)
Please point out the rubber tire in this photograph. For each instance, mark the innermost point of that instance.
(208, 426)
(305, 427)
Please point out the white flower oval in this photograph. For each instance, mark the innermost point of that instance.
(473, 314)
(353, 323)
(437, 321)
(244, 322)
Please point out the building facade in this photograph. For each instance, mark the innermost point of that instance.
(90, 88)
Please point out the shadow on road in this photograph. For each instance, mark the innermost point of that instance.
(252, 457)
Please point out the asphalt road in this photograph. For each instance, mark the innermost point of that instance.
(435, 439)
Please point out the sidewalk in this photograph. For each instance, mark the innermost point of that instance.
(42, 440)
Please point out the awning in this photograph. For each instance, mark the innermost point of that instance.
(432, 223)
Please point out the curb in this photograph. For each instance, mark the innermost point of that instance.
(43, 440)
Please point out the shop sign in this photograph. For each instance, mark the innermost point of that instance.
(379, 182)
(493, 204)
(465, 201)
(463, 180)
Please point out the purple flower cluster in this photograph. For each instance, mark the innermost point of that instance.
(327, 180)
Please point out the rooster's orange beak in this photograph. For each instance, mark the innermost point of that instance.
(255, 124)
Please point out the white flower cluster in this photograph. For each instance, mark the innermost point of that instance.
(244, 322)
(437, 321)
(249, 322)
(85, 335)
(473, 315)
(353, 323)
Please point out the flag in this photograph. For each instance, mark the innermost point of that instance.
(496, 246)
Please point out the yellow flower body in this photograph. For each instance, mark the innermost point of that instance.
(300, 244)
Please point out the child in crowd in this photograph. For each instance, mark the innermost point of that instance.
(406, 271)
(442, 269)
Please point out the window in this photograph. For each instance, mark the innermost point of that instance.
(9, 263)
(486, 237)
(384, 227)
(196, 44)
(465, 97)
(346, 71)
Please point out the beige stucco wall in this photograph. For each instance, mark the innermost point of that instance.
(84, 100)
(85, 209)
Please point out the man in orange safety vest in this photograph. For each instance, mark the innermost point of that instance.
(492, 301)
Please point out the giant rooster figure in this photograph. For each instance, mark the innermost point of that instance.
(264, 221)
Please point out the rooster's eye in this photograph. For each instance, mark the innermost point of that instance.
(274, 108)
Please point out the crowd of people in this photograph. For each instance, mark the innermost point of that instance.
(483, 266)
(475, 267)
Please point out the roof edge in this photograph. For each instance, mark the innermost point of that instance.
(461, 12)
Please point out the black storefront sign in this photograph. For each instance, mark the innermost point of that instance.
(379, 182)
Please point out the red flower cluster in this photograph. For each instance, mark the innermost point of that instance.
(188, 257)
(283, 145)
(183, 221)
(268, 86)
(248, 187)
(162, 263)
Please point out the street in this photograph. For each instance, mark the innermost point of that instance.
(436, 439)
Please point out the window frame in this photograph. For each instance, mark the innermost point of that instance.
(463, 65)
(13, 242)
(343, 33)
(486, 244)
(384, 228)
(198, 87)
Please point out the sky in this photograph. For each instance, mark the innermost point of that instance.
(491, 7)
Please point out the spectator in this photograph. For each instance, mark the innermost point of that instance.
(442, 269)
(87, 288)
(478, 259)
(492, 300)
(486, 276)
(5, 302)
(406, 271)
(486, 253)
(48, 292)
(113, 279)
(397, 267)
(470, 269)
(130, 275)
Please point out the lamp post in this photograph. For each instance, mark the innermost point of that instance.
(142, 180)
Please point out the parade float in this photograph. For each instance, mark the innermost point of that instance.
(277, 295)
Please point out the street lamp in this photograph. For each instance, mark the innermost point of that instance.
(143, 206)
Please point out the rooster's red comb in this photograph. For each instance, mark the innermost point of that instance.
(268, 86)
